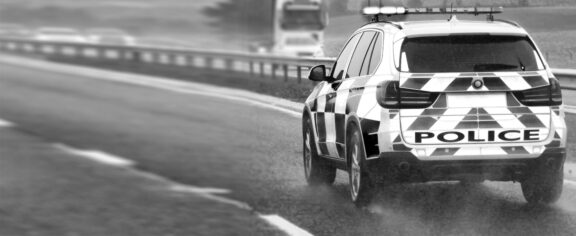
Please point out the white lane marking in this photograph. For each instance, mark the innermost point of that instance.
(112, 160)
(5, 123)
(192, 189)
(285, 225)
(97, 156)
(204, 192)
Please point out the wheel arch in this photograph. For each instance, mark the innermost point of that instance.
(353, 122)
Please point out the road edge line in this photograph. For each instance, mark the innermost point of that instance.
(207, 193)
(98, 156)
(6, 124)
(285, 225)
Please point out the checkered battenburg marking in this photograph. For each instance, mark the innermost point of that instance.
(459, 82)
(394, 130)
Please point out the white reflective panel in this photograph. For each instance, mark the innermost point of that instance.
(538, 61)
(404, 63)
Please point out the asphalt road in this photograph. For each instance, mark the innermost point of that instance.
(255, 153)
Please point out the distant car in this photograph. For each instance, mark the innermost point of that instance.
(14, 31)
(110, 36)
(60, 35)
(300, 45)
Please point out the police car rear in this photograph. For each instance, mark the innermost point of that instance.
(456, 100)
(476, 102)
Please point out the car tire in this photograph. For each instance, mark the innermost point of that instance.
(362, 188)
(317, 171)
(544, 187)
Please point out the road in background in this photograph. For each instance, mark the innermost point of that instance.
(254, 152)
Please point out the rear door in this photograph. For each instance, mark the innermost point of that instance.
(324, 105)
(485, 86)
(340, 92)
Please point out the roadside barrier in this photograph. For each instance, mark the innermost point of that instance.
(262, 65)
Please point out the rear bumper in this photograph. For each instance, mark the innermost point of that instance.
(405, 167)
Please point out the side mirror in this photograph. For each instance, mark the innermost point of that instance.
(318, 73)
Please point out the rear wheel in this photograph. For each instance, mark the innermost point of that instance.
(361, 186)
(544, 187)
(316, 170)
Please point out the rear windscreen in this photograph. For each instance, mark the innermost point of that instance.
(468, 53)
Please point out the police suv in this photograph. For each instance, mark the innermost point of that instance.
(447, 100)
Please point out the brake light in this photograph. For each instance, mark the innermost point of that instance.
(555, 92)
(544, 96)
(391, 96)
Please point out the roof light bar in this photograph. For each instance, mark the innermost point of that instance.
(384, 11)
(435, 10)
(302, 7)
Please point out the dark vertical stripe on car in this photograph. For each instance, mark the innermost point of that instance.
(370, 141)
(321, 126)
(340, 120)
(330, 102)
(314, 106)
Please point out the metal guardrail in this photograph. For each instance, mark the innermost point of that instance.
(255, 64)
(567, 78)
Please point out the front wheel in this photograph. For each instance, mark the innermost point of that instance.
(361, 186)
(316, 170)
(544, 187)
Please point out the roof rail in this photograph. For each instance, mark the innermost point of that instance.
(376, 19)
(514, 23)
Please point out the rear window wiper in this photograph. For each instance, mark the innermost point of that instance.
(494, 67)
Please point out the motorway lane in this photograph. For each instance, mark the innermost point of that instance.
(255, 152)
(45, 191)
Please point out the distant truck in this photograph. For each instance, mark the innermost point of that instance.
(299, 28)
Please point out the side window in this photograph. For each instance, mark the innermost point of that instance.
(360, 53)
(338, 71)
(376, 57)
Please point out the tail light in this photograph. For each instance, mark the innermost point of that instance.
(544, 96)
(391, 96)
